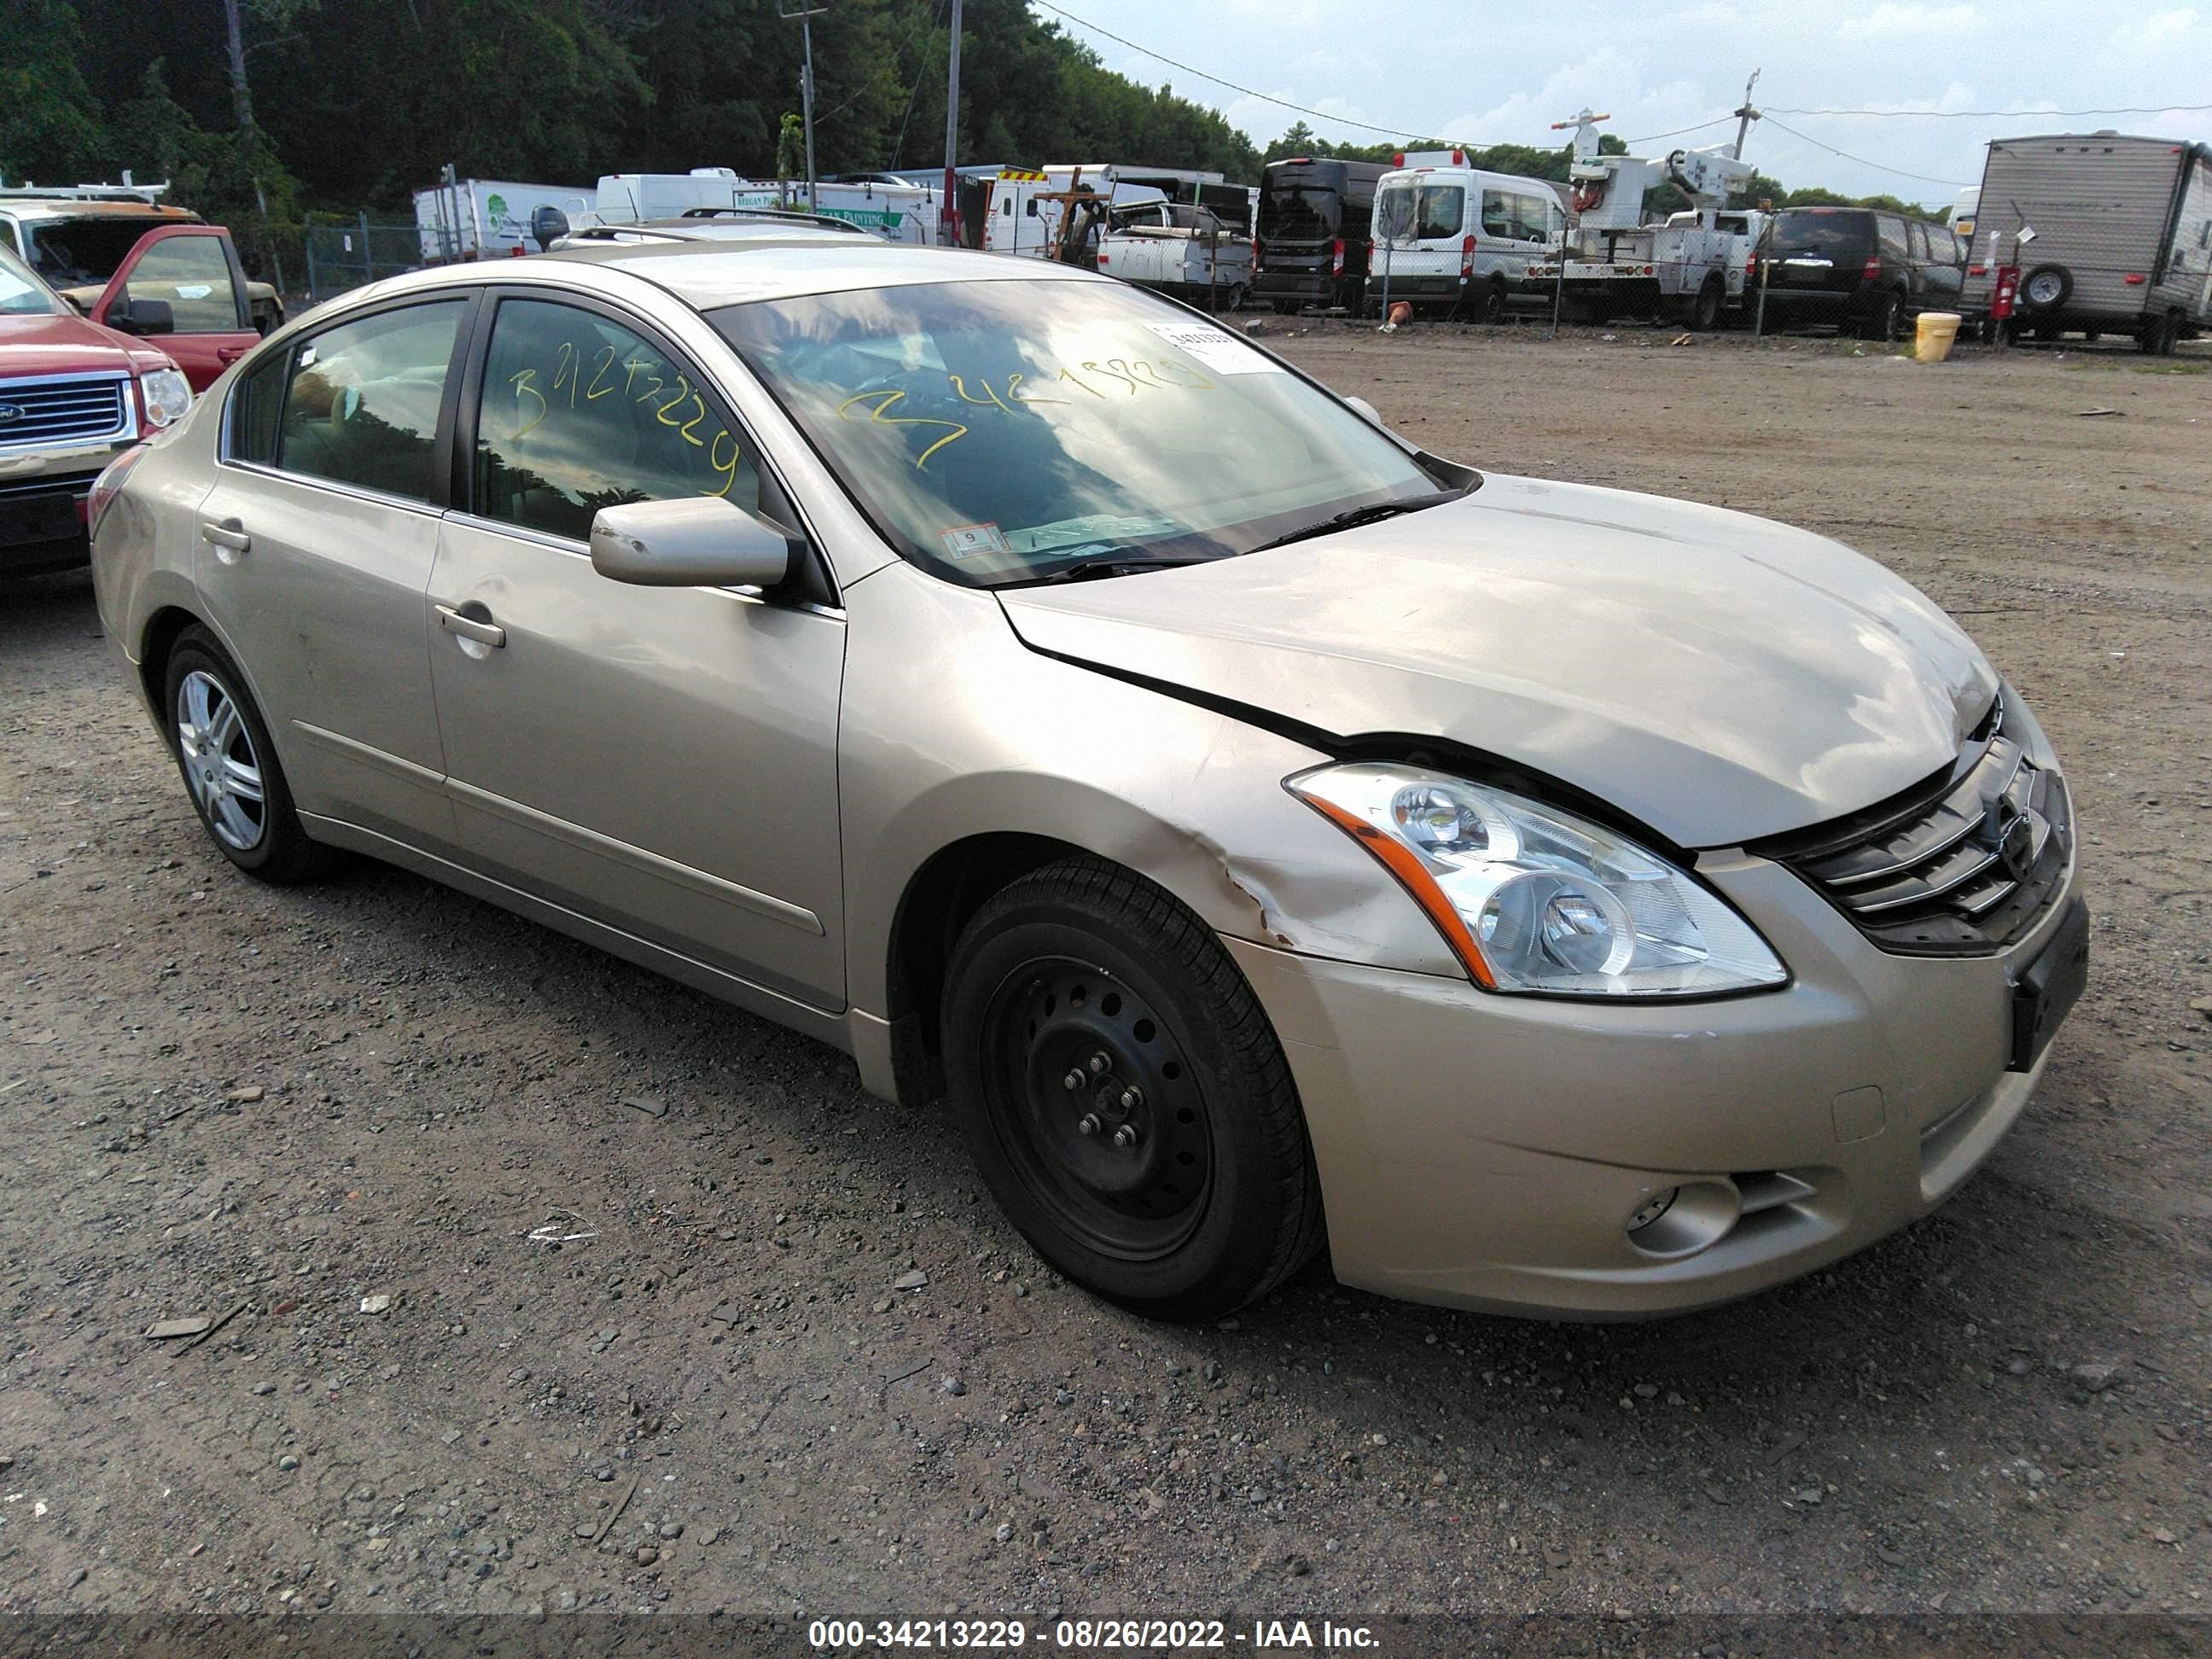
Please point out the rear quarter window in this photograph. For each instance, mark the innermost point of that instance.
(256, 404)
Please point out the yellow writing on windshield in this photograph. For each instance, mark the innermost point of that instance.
(888, 399)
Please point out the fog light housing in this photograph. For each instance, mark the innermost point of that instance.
(1679, 1221)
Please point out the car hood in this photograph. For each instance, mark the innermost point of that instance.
(42, 345)
(1720, 678)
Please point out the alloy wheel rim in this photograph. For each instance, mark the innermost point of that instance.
(221, 768)
(1098, 1108)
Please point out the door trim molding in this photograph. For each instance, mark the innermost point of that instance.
(368, 755)
(653, 864)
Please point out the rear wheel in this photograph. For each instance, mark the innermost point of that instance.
(2159, 335)
(230, 767)
(1706, 309)
(1887, 322)
(1124, 1095)
(1490, 302)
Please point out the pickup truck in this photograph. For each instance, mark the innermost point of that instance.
(73, 395)
(1187, 252)
(99, 250)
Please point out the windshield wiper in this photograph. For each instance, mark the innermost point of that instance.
(1085, 570)
(1359, 515)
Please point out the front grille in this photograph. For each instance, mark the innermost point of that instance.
(82, 410)
(1960, 865)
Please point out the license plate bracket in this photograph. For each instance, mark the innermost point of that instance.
(2048, 987)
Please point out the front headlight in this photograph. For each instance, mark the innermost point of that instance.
(168, 395)
(1531, 898)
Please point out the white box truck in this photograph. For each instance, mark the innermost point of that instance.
(488, 218)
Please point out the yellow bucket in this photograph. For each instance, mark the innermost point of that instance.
(1933, 337)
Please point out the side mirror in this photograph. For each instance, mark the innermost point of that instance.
(141, 317)
(699, 541)
(1367, 412)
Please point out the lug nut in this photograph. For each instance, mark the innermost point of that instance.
(1132, 1098)
(1099, 1064)
(1073, 1081)
(1125, 1135)
(1088, 1126)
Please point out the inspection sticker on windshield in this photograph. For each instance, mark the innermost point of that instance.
(1223, 353)
(968, 540)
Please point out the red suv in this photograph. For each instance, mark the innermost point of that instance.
(72, 396)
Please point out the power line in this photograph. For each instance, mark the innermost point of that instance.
(1653, 137)
(1997, 114)
(1265, 98)
(1955, 184)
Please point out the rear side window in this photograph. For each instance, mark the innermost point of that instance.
(1892, 236)
(363, 406)
(257, 404)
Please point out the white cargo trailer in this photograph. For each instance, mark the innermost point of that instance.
(488, 218)
(2110, 234)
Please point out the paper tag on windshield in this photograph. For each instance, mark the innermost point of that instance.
(1221, 352)
(967, 541)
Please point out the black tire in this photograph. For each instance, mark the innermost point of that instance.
(2159, 335)
(1887, 322)
(2046, 288)
(277, 850)
(1706, 309)
(1084, 973)
(1490, 302)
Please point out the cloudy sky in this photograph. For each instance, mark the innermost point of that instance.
(1489, 74)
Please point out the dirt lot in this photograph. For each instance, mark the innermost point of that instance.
(218, 1098)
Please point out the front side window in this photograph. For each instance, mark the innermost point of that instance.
(999, 431)
(580, 413)
(363, 406)
(190, 275)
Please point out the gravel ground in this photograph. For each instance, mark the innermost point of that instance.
(786, 1358)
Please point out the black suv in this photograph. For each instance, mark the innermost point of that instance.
(1860, 269)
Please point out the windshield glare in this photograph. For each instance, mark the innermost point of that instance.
(997, 431)
(23, 294)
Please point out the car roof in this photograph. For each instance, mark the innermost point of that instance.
(705, 230)
(709, 275)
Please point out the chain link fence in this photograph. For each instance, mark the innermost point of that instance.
(345, 255)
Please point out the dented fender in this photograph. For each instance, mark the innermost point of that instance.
(951, 728)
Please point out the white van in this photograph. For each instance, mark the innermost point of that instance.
(1451, 236)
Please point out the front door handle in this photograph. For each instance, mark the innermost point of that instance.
(469, 628)
(230, 354)
(228, 536)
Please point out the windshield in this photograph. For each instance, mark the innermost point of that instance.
(1425, 213)
(998, 431)
(23, 294)
(1293, 211)
(79, 253)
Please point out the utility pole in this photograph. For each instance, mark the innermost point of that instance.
(805, 14)
(1746, 116)
(951, 216)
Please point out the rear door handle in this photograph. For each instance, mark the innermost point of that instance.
(229, 536)
(469, 628)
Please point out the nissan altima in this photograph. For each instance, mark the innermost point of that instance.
(1267, 835)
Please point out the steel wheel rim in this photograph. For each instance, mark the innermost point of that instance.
(1136, 1184)
(221, 767)
(2043, 289)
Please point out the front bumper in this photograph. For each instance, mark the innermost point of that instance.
(1488, 1151)
(43, 498)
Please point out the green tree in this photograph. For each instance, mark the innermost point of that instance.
(50, 122)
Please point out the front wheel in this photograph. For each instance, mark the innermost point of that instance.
(1706, 310)
(1124, 1095)
(230, 767)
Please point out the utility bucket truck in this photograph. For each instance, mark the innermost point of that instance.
(1694, 267)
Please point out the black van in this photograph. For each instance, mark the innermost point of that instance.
(1859, 269)
(1316, 231)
